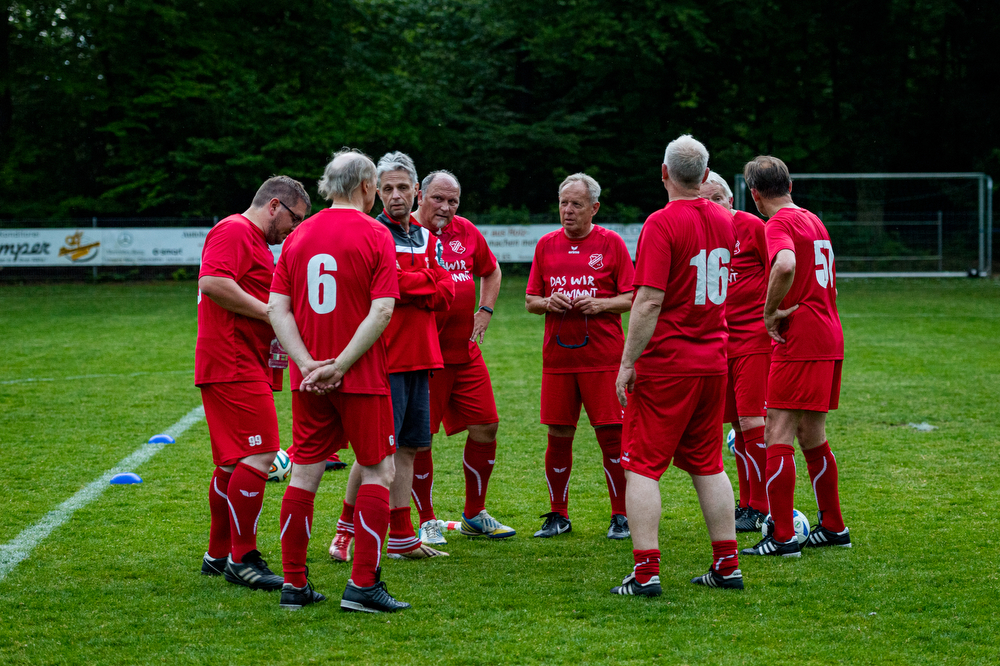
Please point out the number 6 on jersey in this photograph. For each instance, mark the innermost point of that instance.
(322, 286)
(713, 276)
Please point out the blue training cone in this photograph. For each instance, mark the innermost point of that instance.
(125, 478)
(161, 439)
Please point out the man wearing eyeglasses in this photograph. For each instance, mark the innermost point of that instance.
(581, 280)
(231, 369)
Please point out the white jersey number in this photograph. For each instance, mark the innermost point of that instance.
(824, 263)
(713, 276)
(322, 286)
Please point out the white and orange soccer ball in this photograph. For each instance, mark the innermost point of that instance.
(280, 468)
(799, 522)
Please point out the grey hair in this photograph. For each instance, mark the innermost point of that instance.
(341, 180)
(721, 182)
(429, 178)
(686, 159)
(396, 161)
(593, 188)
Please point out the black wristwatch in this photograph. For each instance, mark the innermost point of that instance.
(486, 309)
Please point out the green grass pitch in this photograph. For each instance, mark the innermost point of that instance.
(119, 584)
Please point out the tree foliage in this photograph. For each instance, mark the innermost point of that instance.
(181, 108)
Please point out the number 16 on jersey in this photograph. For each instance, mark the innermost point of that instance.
(713, 275)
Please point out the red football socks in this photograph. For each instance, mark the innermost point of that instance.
(822, 467)
(219, 543)
(741, 468)
(647, 565)
(296, 529)
(780, 482)
(724, 559)
(246, 498)
(610, 440)
(345, 524)
(558, 466)
(371, 515)
(753, 442)
(477, 463)
(402, 538)
(423, 485)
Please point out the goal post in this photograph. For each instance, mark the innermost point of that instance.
(899, 224)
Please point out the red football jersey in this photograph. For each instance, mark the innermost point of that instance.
(598, 265)
(749, 271)
(813, 332)
(424, 288)
(466, 256)
(685, 250)
(232, 347)
(332, 267)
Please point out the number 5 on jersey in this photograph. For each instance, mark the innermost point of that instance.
(322, 285)
(713, 276)
(824, 263)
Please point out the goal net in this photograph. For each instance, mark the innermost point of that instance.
(899, 224)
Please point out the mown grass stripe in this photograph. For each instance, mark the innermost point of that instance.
(31, 380)
(18, 549)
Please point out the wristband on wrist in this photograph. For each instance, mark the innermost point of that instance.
(486, 309)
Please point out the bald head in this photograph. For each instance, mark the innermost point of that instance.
(345, 173)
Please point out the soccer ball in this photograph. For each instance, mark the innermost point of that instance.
(731, 442)
(280, 468)
(799, 522)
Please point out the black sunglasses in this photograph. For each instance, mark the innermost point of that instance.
(295, 218)
(586, 337)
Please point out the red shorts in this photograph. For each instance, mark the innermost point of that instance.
(562, 395)
(241, 420)
(746, 391)
(810, 385)
(462, 395)
(674, 418)
(324, 424)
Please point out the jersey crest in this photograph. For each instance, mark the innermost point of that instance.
(457, 247)
(597, 261)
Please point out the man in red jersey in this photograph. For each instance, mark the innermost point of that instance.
(804, 380)
(412, 343)
(461, 393)
(331, 299)
(674, 364)
(749, 354)
(231, 355)
(581, 280)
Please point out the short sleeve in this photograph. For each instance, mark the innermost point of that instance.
(623, 266)
(483, 260)
(280, 282)
(776, 239)
(536, 284)
(652, 257)
(385, 283)
(227, 253)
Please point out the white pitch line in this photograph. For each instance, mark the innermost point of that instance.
(31, 380)
(18, 550)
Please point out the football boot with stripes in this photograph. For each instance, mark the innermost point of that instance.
(554, 525)
(430, 533)
(252, 572)
(374, 599)
(213, 566)
(733, 581)
(751, 520)
(819, 537)
(768, 546)
(421, 552)
(619, 527)
(483, 524)
(631, 587)
(294, 598)
(340, 547)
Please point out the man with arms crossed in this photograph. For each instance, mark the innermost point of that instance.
(412, 343)
(332, 296)
(804, 381)
(581, 280)
(674, 364)
(749, 354)
(461, 393)
(231, 354)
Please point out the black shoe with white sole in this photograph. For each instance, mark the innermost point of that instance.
(751, 520)
(619, 527)
(768, 546)
(631, 587)
(294, 598)
(733, 581)
(213, 566)
(819, 537)
(554, 525)
(252, 572)
(373, 599)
